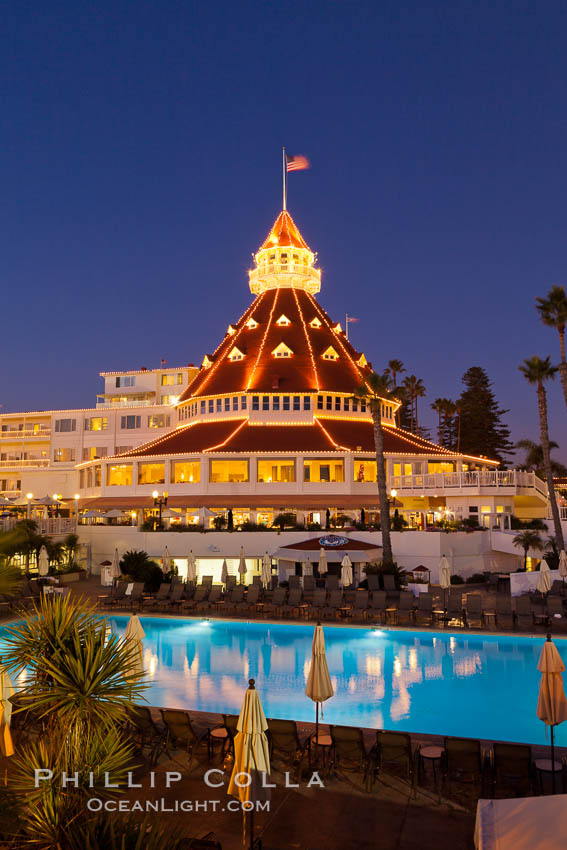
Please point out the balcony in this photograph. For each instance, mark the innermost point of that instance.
(120, 403)
(515, 480)
(15, 434)
(28, 463)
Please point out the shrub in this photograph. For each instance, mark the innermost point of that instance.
(476, 578)
(457, 580)
(398, 523)
(219, 522)
(285, 520)
(138, 566)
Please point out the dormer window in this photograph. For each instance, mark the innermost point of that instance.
(283, 258)
(230, 330)
(251, 324)
(283, 321)
(362, 361)
(315, 323)
(282, 350)
(235, 354)
(330, 354)
(207, 362)
(338, 329)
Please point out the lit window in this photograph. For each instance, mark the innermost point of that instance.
(296, 402)
(440, 467)
(119, 475)
(362, 361)
(128, 423)
(283, 321)
(273, 471)
(235, 354)
(365, 470)
(203, 407)
(315, 323)
(185, 472)
(96, 423)
(230, 330)
(276, 402)
(243, 403)
(328, 471)
(330, 354)
(151, 473)
(219, 405)
(282, 350)
(265, 402)
(319, 402)
(169, 399)
(338, 329)
(251, 324)
(64, 455)
(286, 402)
(159, 420)
(211, 406)
(228, 471)
(168, 380)
(94, 451)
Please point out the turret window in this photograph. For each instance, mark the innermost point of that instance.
(251, 324)
(329, 402)
(337, 402)
(235, 354)
(330, 354)
(235, 403)
(282, 350)
(283, 321)
(319, 402)
(255, 402)
(286, 402)
(315, 323)
(297, 402)
(306, 402)
(211, 406)
(276, 402)
(219, 405)
(265, 402)
(227, 404)
(202, 407)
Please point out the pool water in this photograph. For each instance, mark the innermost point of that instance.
(478, 686)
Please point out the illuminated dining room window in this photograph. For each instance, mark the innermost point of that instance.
(324, 471)
(272, 471)
(119, 474)
(185, 472)
(364, 470)
(151, 473)
(228, 471)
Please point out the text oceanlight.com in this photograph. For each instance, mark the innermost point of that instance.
(95, 804)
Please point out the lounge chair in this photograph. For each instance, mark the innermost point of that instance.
(504, 613)
(393, 753)
(377, 606)
(200, 595)
(349, 751)
(554, 607)
(557, 588)
(455, 614)
(174, 600)
(389, 583)
(115, 596)
(214, 596)
(294, 582)
(291, 607)
(224, 734)
(162, 593)
(278, 600)
(332, 582)
(334, 602)
(358, 610)
(512, 769)
(308, 583)
(473, 613)
(524, 612)
(129, 600)
(404, 611)
(248, 606)
(146, 733)
(285, 744)
(181, 734)
(462, 760)
(424, 610)
(230, 583)
(236, 597)
(373, 582)
(318, 602)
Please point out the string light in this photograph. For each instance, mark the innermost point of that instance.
(300, 311)
(260, 350)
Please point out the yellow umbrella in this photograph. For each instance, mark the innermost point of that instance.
(318, 687)
(551, 704)
(251, 757)
(134, 637)
(6, 691)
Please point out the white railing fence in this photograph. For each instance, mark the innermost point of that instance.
(516, 478)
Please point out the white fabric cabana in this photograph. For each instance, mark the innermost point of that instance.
(346, 571)
(43, 562)
(266, 570)
(191, 567)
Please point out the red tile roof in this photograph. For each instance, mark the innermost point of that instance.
(313, 543)
(191, 439)
(284, 233)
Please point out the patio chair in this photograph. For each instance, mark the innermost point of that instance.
(455, 614)
(404, 611)
(308, 583)
(334, 602)
(393, 753)
(207, 580)
(294, 582)
(278, 600)
(115, 596)
(235, 597)
(358, 611)
(214, 596)
(512, 769)
(230, 583)
(248, 606)
(291, 607)
(473, 612)
(200, 595)
(174, 600)
(524, 612)
(504, 613)
(389, 583)
(181, 734)
(554, 606)
(332, 582)
(224, 734)
(349, 751)
(424, 610)
(557, 588)
(285, 744)
(373, 582)
(318, 602)
(462, 760)
(145, 733)
(162, 593)
(377, 607)
(130, 599)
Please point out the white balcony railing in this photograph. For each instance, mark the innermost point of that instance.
(53, 525)
(451, 481)
(148, 402)
(15, 435)
(28, 463)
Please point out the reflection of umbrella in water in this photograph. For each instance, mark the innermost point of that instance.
(551, 704)
(251, 758)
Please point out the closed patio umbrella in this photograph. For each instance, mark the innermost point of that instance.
(224, 572)
(544, 581)
(323, 568)
(43, 562)
(346, 571)
(551, 704)
(319, 687)
(266, 570)
(563, 565)
(165, 561)
(134, 636)
(115, 571)
(444, 577)
(191, 567)
(242, 564)
(6, 691)
(251, 757)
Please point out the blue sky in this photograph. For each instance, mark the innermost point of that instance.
(140, 167)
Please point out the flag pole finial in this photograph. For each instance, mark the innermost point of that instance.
(283, 179)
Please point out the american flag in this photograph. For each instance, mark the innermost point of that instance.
(163, 362)
(297, 163)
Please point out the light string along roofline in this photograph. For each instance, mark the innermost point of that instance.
(333, 443)
(337, 336)
(227, 440)
(300, 311)
(260, 350)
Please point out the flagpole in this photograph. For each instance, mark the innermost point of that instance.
(283, 178)
(346, 325)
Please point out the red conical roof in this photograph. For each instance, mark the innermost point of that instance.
(284, 233)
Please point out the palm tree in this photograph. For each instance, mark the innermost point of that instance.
(553, 312)
(395, 368)
(536, 372)
(374, 390)
(527, 540)
(415, 389)
(533, 460)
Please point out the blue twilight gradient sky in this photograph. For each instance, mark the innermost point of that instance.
(140, 166)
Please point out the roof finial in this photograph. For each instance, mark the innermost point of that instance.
(283, 178)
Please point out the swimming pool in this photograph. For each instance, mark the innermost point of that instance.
(479, 686)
